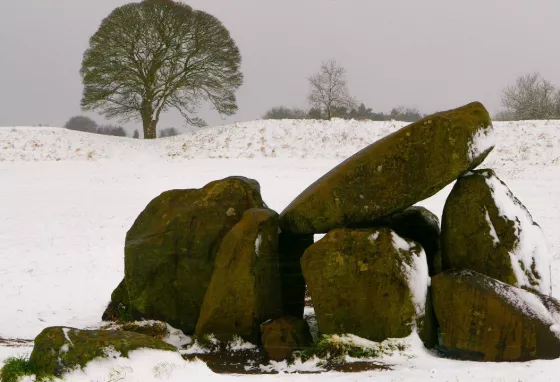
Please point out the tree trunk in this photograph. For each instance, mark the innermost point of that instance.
(149, 128)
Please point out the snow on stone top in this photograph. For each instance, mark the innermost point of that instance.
(482, 141)
(531, 248)
(529, 304)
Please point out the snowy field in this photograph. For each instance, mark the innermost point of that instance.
(68, 198)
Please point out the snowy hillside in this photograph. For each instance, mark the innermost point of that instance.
(67, 200)
(526, 143)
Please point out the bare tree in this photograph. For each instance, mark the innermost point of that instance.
(532, 97)
(329, 89)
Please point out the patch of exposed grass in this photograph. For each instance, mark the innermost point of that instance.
(334, 349)
(17, 367)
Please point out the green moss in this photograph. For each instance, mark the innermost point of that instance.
(16, 367)
(58, 350)
(392, 174)
(333, 349)
(154, 329)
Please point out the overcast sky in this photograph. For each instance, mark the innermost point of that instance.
(429, 54)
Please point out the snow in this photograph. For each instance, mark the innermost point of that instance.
(64, 214)
(373, 236)
(399, 243)
(482, 141)
(239, 345)
(493, 232)
(528, 303)
(65, 331)
(416, 273)
(531, 247)
(258, 242)
(143, 365)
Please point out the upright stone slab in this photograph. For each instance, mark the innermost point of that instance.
(483, 319)
(395, 172)
(245, 288)
(171, 248)
(371, 283)
(485, 228)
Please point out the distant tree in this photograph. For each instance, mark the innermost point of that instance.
(405, 114)
(340, 112)
(315, 113)
(168, 132)
(81, 123)
(156, 55)
(136, 134)
(329, 89)
(531, 97)
(503, 115)
(116, 131)
(282, 112)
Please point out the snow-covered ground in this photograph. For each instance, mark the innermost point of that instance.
(68, 198)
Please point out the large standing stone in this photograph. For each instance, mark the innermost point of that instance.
(486, 229)
(245, 288)
(371, 283)
(395, 172)
(483, 319)
(281, 337)
(291, 249)
(58, 350)
(171, 248)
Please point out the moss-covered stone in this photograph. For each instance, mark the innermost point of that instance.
(282, 337)
(485, 228)
(291, 249)
(395, 172)
(171, 248)
(367, 282)
(119, 306)
(58, 350)
(245, 288)
(483, 319)
(418, 224)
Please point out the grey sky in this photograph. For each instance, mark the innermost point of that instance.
(430, 54)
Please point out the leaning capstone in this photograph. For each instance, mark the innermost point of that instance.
(485, 228)
(395, 172)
